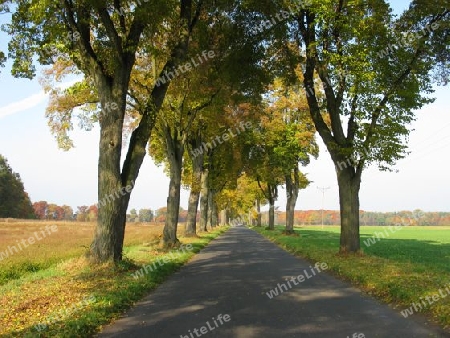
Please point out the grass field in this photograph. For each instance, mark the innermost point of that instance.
(72, 239)
(48, 289)
(403, 268)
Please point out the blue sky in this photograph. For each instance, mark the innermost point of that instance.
(70, 177)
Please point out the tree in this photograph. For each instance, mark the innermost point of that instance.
(82, 213)
(92, 213)
(294, 140)
(204, 192)
(14, 201)
(184, 103)
(133, 216)
(68, 213)
(160, 214)
(239, 198)
(55, 212)
(193, 95)
(361, 89)
(264, 163)
(4, 8)
(145, 215)
(227, 187)
(40, 209)
(103, 39)
(194, 179)
(44, 210)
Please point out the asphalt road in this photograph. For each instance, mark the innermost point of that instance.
(223, 292)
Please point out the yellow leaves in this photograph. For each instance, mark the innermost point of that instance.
(60, 69)
(44, 301)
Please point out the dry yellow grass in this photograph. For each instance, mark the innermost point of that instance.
(70, 240)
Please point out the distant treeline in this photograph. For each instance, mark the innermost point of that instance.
(331, 217)
(84, 213)
(49, 211)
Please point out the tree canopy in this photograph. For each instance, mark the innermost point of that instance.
(349, 71)
(14, 201)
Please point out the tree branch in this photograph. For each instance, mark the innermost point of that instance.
(306, 27)
(122, 23)
(332, 107)
(262, 190)
(140, 136)
(111, 31)
(352, 126)
(196, 16)
(84, 42)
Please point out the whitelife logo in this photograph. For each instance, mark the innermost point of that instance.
(208, 328)
(357, 335)
(221, 139)
(164, 260)
(393, 229)
(416, 307)
(49, 229)
(408, 39)
(300, 278)
(293, 10)
(187, 67)
(123, 191)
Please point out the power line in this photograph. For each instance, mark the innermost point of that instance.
(323, 189)
(435, 133)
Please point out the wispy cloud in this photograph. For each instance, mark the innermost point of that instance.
(22, 105)
(31, 101)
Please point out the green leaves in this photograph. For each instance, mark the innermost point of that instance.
(4, 8)
(370, 82)
(14, 201)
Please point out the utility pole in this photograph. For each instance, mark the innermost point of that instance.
(323, 189)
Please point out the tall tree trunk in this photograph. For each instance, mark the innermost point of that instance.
(109, 233)
(175, 150)
(349, 185)
(292, 188)
(271, 214)
(216, 215)
(204, 201)
(173, 208)
(223, 217)
(114, 188)
(258, 210)
(210, 208)
(191, 222)
(271, 195)
(194, 196)
(214, 210)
